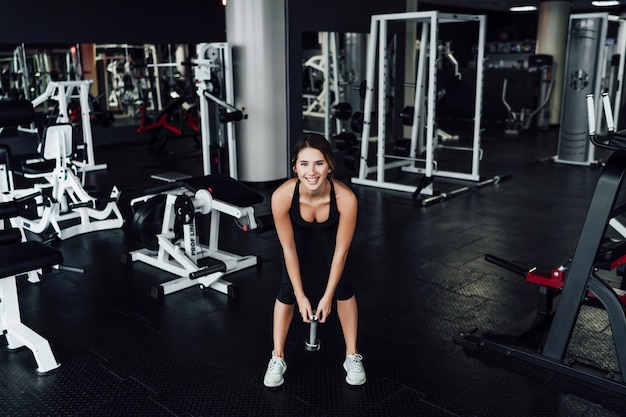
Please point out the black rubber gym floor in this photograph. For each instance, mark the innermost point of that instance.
(421, 280)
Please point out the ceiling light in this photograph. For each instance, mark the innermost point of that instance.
(605, 3)
(523, 8)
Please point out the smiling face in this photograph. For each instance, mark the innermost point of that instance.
(312, 160)
(311, 168)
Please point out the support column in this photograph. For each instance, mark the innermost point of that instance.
(88, 65)
(256, 32)
(552, 30)
(410, 60)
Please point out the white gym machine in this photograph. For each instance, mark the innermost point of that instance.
(67, 207)
(19, 257)
(213, 60)
(327, 64)
(193, 262)
(63, 92)
(424, 105)
(180, 252)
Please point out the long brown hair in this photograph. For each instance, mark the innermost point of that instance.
(316, 141)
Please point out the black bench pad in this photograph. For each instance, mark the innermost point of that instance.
(8, 236)
(19, 258)
(37, 168)
(222, 187)
(226, 189)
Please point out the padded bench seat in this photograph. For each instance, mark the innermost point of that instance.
(225, 188)
(222, 187)
(19, 258)
(609, 252)
(39, 168)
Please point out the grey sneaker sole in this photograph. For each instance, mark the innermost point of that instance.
(354, 383)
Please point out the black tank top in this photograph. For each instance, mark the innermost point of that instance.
(296, 217)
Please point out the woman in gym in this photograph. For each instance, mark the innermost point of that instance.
(306, 208)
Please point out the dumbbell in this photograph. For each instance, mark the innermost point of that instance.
(342, 110)
(312, 344)
(344, 140)
(406, 115)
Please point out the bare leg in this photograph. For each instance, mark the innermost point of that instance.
(283, 314)
(349, 318)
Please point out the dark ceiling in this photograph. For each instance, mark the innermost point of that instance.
(576, 6)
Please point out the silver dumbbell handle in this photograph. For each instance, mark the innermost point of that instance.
(312, 343)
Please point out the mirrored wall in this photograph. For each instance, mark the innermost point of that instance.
(126, 79)
(333, 67)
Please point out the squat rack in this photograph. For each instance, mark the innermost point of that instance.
(425, 99)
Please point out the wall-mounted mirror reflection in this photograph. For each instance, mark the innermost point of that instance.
(333, 67)
(161, 91)
(126, 79)
(27, 69)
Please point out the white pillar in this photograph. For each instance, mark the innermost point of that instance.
(552, 32)
(410, 53)
(255, 29)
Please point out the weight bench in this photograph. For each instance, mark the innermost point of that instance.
(164, 220)
(19, 258)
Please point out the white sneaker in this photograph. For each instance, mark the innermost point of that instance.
(355, 373)
(275, 370)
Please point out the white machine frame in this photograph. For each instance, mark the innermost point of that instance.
(63, 92)
(202, 73)
(17, 333)
(181, 257)
(427, 70)
(23, 258)
(327, 63)
(71, 210)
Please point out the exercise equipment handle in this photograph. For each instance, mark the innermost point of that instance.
(454, 193)
(15, 207)
(591, 123)
(88, 204)
(591, 117)
(208, 270)
(312, 344)
(231, 116)
(234, 112)
(313, 330)
(69, 268)
(506, 265)
(26, 198)
(608, 115)
(94, 204)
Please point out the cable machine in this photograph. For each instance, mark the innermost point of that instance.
(214, 85)
(585, 73)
